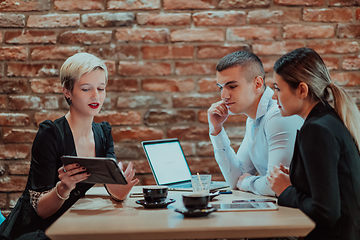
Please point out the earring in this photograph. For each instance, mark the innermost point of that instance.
(68, 100)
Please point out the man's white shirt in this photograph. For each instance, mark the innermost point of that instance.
(269, 140)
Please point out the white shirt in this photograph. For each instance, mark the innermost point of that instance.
(269, 140)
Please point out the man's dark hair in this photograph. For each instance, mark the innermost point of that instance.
(245, 59)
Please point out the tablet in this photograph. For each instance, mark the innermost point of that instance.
(102, 170)
(253, 206)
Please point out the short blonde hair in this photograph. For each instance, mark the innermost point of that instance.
(77, 65)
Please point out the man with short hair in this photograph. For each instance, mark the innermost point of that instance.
(269, 137)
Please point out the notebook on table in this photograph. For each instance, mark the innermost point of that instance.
(169, 166)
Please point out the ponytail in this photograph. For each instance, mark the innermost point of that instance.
(347, 110)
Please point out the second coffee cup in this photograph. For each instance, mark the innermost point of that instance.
(154, 194)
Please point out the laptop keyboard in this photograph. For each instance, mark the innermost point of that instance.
(183, 185)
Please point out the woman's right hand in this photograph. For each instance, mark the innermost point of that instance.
(69, 176)
(217, 115)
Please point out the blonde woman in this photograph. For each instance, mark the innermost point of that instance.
(53, 188)
(324, 176)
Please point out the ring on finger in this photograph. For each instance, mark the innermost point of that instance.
(64, 170)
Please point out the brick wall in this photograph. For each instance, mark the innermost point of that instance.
(161, 56)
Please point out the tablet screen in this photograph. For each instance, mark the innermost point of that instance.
(244, 206)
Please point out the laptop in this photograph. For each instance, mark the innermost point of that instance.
(169, 166)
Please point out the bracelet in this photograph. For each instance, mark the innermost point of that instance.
(57, 193)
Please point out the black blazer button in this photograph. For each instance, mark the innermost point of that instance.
(77, 193)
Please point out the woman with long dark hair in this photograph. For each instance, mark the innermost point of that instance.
(323, 180)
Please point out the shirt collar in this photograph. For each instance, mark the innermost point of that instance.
(264, 103)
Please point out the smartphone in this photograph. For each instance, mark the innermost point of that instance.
(225, 191)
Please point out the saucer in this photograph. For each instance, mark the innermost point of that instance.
(162, 204)
(196, 212)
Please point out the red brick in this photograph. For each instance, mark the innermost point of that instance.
(3, 200)
(136, 134)
(203, 118)
(115, 52)
(274, 16)
(85, 37)
(358, 14)
(195, 68)
(298, 31)
(164, 117)
(14, 119)
(13, 183)
(13, 198)
(129, 151)
(41, 116)
(198, 35)
(31, 37)
(244, 4)
(167, 85)
(3, 102)
(194, 100)
(13, 86)
(148, 35)
(32, 70)
(71, 5)
(220, 18)
(203, 165)
(167, 52)
(300, 2)
(106, 19)
(134, 4)
(33, 103)
(119, 118)
(275, 48)
(188, 148)
(111, 67)
(188, 133)
(20, 135)
(122, 85)
(205, 149)
(216, 51)
(142, 101)
(169, 19)
(346, 79)
(349, 30)
(12, 20)
(54, 52)
(331, 46)
(341, 3)
(252, 33)
(351, 63)
(144, 68)
(327, 15)
(332, 63)
(14, 151)
(268, 63)
(13, 53)
(46, 86)
(186, 4)
(208, 85)
(24, 5)
(19, 168)
(53, 20)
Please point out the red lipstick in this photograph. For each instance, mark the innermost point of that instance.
(94, 105)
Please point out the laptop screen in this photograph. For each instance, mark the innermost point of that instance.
(167, 161)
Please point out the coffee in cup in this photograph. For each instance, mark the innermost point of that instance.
(196, 201)
(154, 194)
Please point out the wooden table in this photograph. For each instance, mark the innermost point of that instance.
(98, 217)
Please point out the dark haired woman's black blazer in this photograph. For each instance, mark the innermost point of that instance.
(325, 176)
